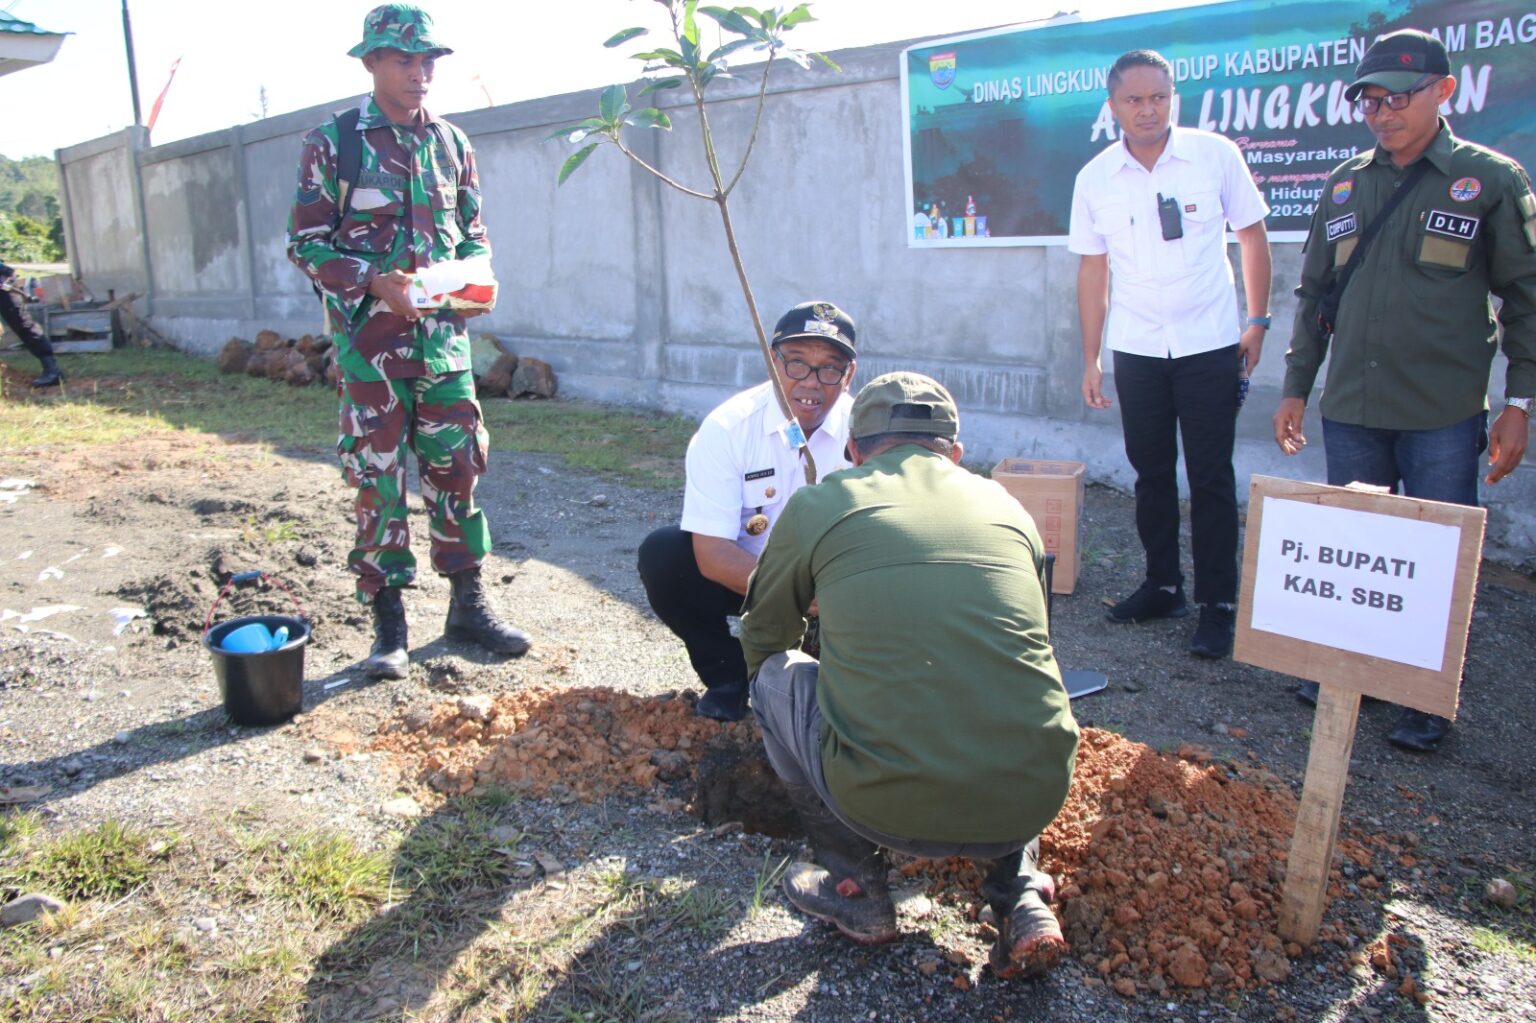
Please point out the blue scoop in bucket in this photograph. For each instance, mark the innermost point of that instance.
(251, 638)
(258, 660)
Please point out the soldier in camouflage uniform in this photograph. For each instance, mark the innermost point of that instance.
(405, 372)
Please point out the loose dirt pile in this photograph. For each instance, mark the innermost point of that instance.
(543, 741)
(1169, 867)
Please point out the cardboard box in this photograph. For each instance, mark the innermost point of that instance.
(1052, 493)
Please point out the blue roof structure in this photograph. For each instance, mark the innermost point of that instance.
(23, 44)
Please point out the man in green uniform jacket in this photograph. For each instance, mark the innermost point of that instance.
(1413, 336)
(935, 723)
(359, 233)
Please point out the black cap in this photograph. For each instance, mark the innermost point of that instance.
(1399, 61)
(817, 321)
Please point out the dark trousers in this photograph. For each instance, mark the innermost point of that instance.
(13, 310)
(1193, 398)
(1436, 465)
(693, 607)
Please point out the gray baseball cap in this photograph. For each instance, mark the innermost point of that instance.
(904, 402)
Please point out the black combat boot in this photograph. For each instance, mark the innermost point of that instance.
(470, 617)
(845, 883)
(51, 375)
(388, 658)
(1029, 938)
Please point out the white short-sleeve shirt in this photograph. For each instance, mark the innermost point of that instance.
(740, 464)
(1167, 298)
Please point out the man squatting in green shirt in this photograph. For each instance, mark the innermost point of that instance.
(405, 372)
(935, 723)
(1405, 406)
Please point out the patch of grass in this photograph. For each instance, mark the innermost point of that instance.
(117, 396)
(493, 798)
(123, 394)
(768, 877)
(18, 826)
(1497, 943)
(603, 989)
(103, 862)
(330, 876)
(642, 446)
(703, 909)
(453, 855)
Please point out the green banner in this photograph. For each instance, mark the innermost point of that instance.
(999, 123)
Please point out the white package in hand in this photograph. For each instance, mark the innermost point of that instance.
(456, 284)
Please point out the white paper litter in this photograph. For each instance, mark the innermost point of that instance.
(123, 616)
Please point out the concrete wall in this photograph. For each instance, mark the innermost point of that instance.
(624, 285)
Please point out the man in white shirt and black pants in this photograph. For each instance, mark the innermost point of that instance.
(743, 464)
(1152, 209)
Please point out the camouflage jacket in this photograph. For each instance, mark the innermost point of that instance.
(407, 212)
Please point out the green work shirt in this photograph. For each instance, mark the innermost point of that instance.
(1416, 334)
(944, 716)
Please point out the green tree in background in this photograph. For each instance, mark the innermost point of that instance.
(31, 228)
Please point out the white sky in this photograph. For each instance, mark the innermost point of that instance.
(296, 49)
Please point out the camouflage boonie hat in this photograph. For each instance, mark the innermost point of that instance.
(403, 27)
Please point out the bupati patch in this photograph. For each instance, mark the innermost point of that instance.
(1342, 191)
(1341, 227)
(760, 474)
(1466, 189)
(1452, 225)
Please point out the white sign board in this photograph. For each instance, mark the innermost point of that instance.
(1354, 580)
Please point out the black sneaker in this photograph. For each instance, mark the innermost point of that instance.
(1306, 692)
(1213, 636)
(1148, 602)
(726, 702)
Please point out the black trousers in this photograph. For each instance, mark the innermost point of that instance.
(13, 311)
(1193, 398)
(693, 607)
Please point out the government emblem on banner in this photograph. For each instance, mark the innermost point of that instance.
(941, 68)
(1341, 192)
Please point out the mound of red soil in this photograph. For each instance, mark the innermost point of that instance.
(1169, 867)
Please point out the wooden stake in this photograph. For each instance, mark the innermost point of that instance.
(1317, 819)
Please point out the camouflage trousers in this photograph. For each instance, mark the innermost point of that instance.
(439, 419)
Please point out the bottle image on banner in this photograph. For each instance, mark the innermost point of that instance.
(970, 216)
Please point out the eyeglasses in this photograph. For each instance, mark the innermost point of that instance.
(1368, 105)
(825, 375)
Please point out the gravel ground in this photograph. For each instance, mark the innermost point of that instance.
(130, 726)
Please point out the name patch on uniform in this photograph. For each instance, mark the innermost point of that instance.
(1340, 227)
(382, 179)
(1452, 225)
(760, 474)
(1190, 208)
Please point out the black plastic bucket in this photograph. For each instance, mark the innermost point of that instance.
(264, 688)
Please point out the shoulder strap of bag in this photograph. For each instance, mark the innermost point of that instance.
(1374, 227)
(349, 156)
